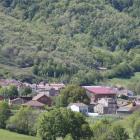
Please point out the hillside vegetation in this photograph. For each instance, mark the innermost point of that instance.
(65, 41)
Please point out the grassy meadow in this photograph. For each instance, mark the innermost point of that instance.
(7, 135)
(125, 81)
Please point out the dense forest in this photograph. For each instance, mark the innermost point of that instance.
(67, 40)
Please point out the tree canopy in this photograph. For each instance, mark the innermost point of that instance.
(65, 41)
(61, 123)
(4, 113)
(73, 94)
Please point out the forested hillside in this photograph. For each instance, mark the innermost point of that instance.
(68, 39)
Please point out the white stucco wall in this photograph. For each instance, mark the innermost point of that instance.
(103, 101)
(74, 108)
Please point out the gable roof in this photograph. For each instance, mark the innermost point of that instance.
(99, 90)
(39, 96)
(103, 105)
(33, 103)
(128, 103)
(125, 109)
(78, 104)
(134, 108)
(24, 98)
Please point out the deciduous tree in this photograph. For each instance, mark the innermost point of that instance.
(4, 113)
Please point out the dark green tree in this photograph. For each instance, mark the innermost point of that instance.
(27, 90)
(4, 113)
(12, 91)
(73, 94)
(24, 121)
(61, 122)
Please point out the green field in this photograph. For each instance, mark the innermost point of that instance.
(7, 135)
(125, 81)
(123, 121)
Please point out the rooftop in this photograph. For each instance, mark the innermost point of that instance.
(124, 109)
(78, 104)
(99, 90)
(33, 103)
(39, 96)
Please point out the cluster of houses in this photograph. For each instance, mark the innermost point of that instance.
(103, 99)
(43, 90)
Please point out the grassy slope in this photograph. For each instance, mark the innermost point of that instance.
(6, 135)
(125, 81)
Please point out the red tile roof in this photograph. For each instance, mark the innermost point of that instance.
(119, 86)
(33, 103)
(99, 90)
(135, 108)
(39, 96)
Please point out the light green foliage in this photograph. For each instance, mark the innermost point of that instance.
(136, 128)
(135, 87)
(106, 130)
(4, 113)
(24, 121)
(118, 133)
(66, 33)
(12, 91)
(68, 137)
(27, 90)
(9, 91)
(133, 118)
(73, 94)
(60, 123)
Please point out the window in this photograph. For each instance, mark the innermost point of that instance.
(45, 99)
(42, 99)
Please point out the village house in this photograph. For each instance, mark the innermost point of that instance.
(128, 92)
(97, 92)
(49, 91)
(128, 108)
(92, 105)
(78, 107)
(18, 100)
(106, 106)
(35, 104)
(100, 69)
(56, 87)
(43, 98)
(119, 87)
(39, 101)
(8, 82)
